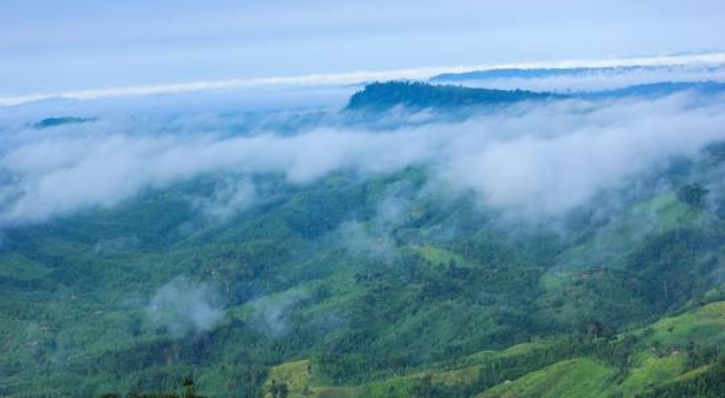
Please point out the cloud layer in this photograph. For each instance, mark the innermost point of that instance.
(534, 159)
(683, 68)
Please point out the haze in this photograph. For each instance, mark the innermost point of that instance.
(50, 46)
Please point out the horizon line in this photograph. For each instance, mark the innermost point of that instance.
(356, 77)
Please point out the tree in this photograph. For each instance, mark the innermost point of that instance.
(283, 390)
(274, 389)
(692, 194)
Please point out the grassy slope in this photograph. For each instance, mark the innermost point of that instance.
(572, 378)
(578, 377)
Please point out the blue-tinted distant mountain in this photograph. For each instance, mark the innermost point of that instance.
(57, 121)
(538, 73)
(658, 90)
(520, 73)
(415, 95)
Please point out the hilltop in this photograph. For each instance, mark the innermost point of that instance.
(418, 95)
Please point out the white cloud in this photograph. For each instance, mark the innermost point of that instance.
(373, 239)
(270, 313)
(536, 159)
(228, 197)
(360, 77)
(542, 173)
(182, 306)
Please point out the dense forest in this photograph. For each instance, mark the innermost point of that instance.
(373, 285)
(418, 95)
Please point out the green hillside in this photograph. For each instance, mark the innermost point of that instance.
(410, 309)
(372, 284)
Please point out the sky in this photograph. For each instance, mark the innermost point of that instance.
(55, 46)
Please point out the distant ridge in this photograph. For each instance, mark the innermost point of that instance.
(416, 95)
(538, 73)
(57, 121)
(530, 73)
(658, 90)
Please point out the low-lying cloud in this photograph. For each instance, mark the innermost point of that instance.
(182, 306)
(109, 247)
(373, 239)
(270, 313)
(229, 197)
(541, 159)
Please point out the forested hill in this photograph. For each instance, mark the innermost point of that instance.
(459, 257)
(416, 95)
(57, 121)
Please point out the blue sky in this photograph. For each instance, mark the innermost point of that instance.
(50, 45)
